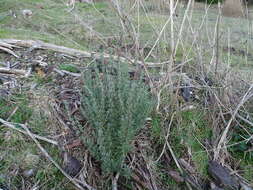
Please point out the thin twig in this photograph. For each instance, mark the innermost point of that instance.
(79, 186)
(13, 126)
(12, 113)
(217, 39)
(7, 50)
(166, 137)
(114, 182)
(222, 140)
(13, 71)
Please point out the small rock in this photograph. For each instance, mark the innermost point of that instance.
(29, 173)
(27, 13)
(222, 176)
(72, 166)
(186, 93)
(214, 187)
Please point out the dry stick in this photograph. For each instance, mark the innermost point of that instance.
(9, 46)
(114, 182)
(55, 163)
(132, 33)
(8, 51)
(166, 138)
(182, 24)
(69, 73)
(178, 165)
(245, 120)
(74, 52)
(12, 126)
(12, 113)
(13, 71)
(148, 18)
(217, 39)
(190, 26)
(159, 36)
(171, 151)
(152, 180)
(224, 134)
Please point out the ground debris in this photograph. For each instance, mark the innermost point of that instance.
(72, 166)
(222, 176)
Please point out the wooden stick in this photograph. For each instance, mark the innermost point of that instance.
(222, 141)
(13, 71)
(12, 126)
(7, 50)
(74, 52)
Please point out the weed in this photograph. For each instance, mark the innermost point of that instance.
(116, 108)
(190, 133)
(42, 80)
(157, 131)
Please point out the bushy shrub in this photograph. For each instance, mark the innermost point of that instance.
(116, 108)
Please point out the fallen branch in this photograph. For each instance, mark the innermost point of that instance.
(75, 182)
(114, 182)
(13, 71)
(74, 52)
(13, 126)
(5, 49)
(9, 46)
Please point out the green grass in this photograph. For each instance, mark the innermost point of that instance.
(15, 147)
(157, 129)
(23, 112)
(241, 149)
(191, 133)
(69, 67)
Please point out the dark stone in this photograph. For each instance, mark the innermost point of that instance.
(186, 93)
(72, 166)
(222, 176)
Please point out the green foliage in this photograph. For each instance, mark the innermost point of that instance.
(116, 108)
(69, 67)
(41, 80)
